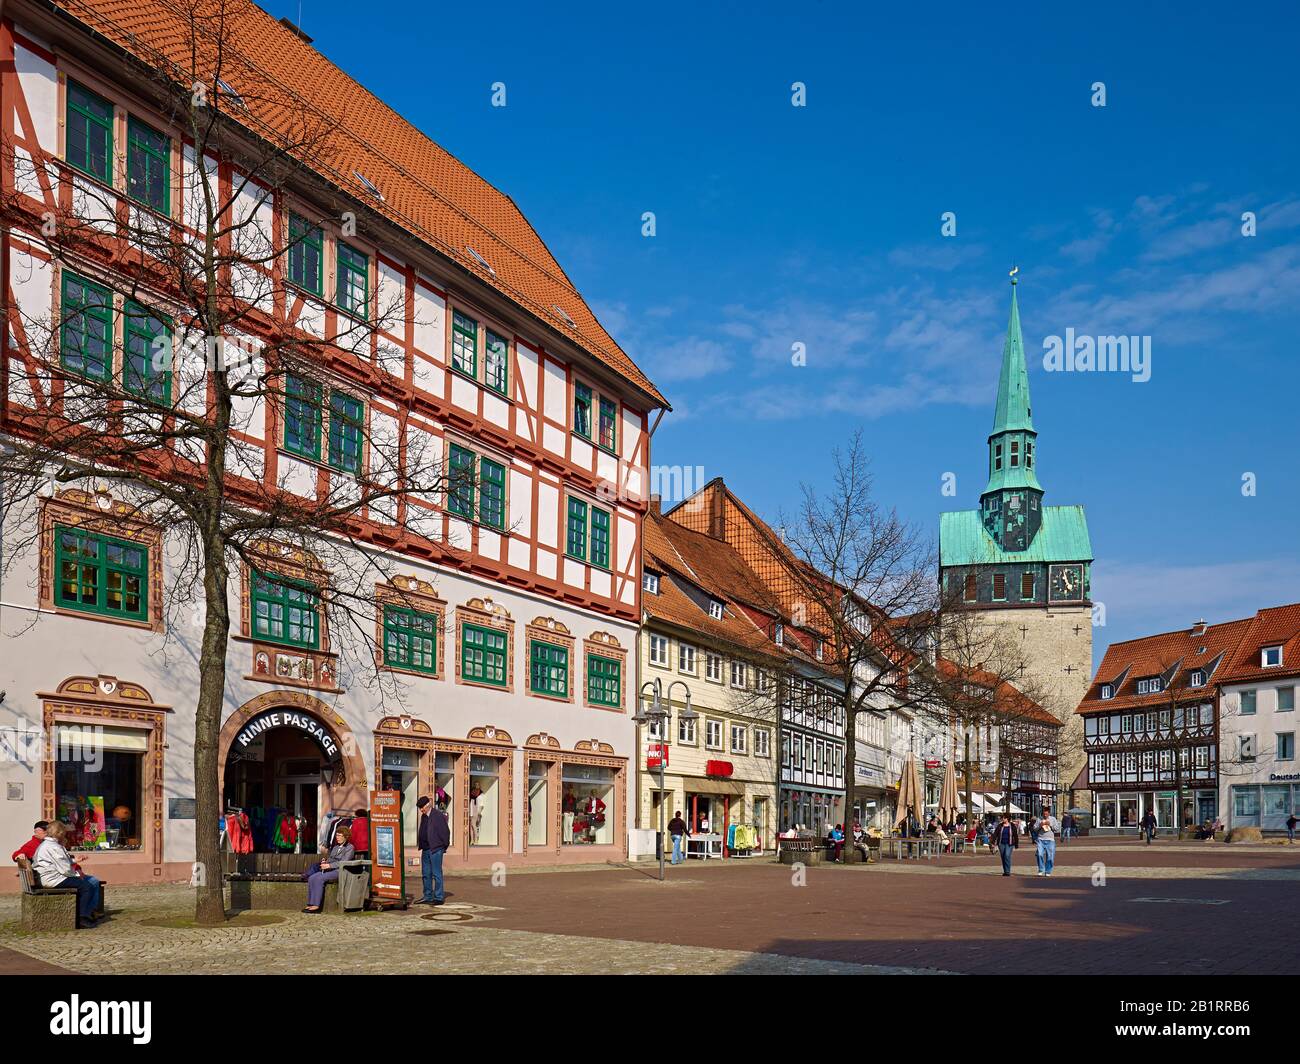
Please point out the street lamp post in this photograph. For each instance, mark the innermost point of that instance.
(658, 712)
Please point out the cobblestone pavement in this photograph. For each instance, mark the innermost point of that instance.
(1162, 909)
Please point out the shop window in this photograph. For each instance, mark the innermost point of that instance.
(444, 789)
(485, 801)
(588, 805)
(101, 574)
(99, 785)
(352, 280)
(86, 332)
(483, 655)
(399, 770)
(539, 810)
(89, 133)
(411, 639)
(548, 669)
(285, 611)
(148, 166)
(604, 681)
(306, 255)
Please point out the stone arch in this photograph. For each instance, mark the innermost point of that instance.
(350, 787)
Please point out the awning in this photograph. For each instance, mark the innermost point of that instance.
(701, 786)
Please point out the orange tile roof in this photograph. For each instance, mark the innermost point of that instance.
(1015, 701)
(1274, 626)
(426, 191)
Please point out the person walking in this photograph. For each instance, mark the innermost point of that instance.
(678, 831)
(1149, 825)
(1046, 828)
(1008, 838)
(433, 837)
(1290, 828)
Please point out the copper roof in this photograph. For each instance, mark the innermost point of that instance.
(425, 190)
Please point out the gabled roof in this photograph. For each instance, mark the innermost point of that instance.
(1124, 664)
(426, 191)
(1274, 626)
(1010, 700)
(1063, 537)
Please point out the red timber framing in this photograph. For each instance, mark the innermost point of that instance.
(528, 428)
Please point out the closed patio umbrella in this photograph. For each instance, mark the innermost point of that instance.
(948, 806)
(909, 793)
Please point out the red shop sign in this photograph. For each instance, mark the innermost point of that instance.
(718, 768)
(656, 755)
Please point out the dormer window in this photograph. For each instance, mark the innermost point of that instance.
(778, 634)
(1198, 677)
(715, 609)
(1150, 686)
(650, 582)
(1270, 657)
(1107, 691)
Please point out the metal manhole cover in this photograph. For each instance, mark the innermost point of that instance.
(448, 918)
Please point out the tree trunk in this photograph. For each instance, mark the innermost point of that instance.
(209, 903)
(850, 852)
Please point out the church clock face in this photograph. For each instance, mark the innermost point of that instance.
(1066, 583)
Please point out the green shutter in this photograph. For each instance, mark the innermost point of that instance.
(306, 255)
(353, 279)
(146, 354)
(302, 417)
(410, 639)
(148, 166)
(89, 133)
(576, 540)
(101, 574)
(460, 491)
(600, 537)
(347, 428)
(492, 493)
(86, 335)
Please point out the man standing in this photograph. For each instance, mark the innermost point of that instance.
(1008, 838)
(1291, 822)
(1045, 830)
(433, 838)
(677, 831)
(1149, 825)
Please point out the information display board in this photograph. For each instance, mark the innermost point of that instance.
(387, 867)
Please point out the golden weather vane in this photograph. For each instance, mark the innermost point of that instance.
(1014, 270)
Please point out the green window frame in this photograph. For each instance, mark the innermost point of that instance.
(411, 639)
(148, 166)
(306, 255)
(86, 331)
(89, 133)
(302, 417)
(353, 280)
(285, 611)
(146, 364)
(604, 681)
(582, 411)
(346, 432)
(608, 424)
(548, 672)
(575, 540)
(491, 493)
(461, 476)
(101, 574)
(464, 344)
(496, 362)
(599, 537)
(483, 655)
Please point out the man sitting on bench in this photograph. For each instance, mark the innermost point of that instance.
(53, 864)
(28, 849)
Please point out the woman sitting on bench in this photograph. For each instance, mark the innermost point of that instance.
(53, 864)
(327, 871)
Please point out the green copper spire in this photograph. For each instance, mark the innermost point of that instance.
(1013, 409)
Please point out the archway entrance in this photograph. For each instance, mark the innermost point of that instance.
(289, 765)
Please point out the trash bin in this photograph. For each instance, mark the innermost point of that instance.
(659, 845)
(354, 885)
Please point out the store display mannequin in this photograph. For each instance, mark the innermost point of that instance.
(569, 806)
(475, 812)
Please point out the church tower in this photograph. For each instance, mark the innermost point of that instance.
(1023, 566)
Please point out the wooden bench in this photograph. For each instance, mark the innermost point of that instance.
(49, 908)
(273, 881)
(800, 851)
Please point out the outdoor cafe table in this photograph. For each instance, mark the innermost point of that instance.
(915, 846)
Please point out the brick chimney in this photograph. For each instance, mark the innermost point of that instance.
(1198, 629)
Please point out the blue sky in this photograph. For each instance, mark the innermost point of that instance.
(821, 225)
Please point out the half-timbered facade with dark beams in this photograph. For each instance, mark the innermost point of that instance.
(511, 624)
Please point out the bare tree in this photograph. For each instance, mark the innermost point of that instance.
(181, 341)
